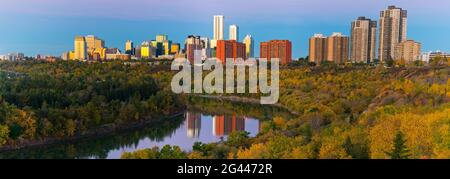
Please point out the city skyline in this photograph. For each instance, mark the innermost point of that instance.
(39, 32)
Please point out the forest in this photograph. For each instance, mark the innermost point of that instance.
(41, 101)
(343, 112)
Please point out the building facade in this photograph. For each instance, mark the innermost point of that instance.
(337, 48)
(249, 46)
(317, 48)
(408, 51)
(234, 32)
(129, 47)
(227, 49)
(80, 50)
(281, 49)
(363, 40)
(193, 44)
(393, 25)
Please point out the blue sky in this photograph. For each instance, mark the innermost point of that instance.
(49, 26)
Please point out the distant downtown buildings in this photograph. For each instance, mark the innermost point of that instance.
(361, 47)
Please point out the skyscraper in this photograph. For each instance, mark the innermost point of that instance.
(317, 48)
(409, 51)
(249, 46)
(363, 40)
(337, 48)
(80, 48)
(129, 47)
(218, 30)
(281, 49)
(392, 31)
(218, 27)
(234, 32)
(230, 49)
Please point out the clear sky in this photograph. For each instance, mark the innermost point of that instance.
(49, 26)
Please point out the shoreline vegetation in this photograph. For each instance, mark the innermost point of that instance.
(103, 131)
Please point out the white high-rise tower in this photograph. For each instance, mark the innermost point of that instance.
(234, 32)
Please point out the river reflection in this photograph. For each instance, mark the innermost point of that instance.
(197, 127)
(205, 121)
(183, 131)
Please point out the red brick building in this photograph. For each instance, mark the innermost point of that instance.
(230, 49)
(281, 49)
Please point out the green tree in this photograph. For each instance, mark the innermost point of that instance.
(400, 151)
(4, 134)
(238, 139)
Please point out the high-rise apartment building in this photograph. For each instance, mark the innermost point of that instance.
(363, 40)
(234, 32)
(249, 46)
(337, 48)
(227, 49)
(393, 23)
(281, 49)
(317, 48)
(80, 50)
(408, 51)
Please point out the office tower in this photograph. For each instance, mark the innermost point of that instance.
(281, 49)
(93, 43)
(317, 49)
(392, 31)
(249, 46)
(175, 48)
(194, 124)
(147, 50)
(363, 40)
(167, 44)
(129, 47)
(192, 44)
(408, 51)
(337, 48)
(158, 47)
(80, 48)
(234, 32)
(161, 38)
(230, 49)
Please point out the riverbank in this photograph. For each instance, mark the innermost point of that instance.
(103, 131)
